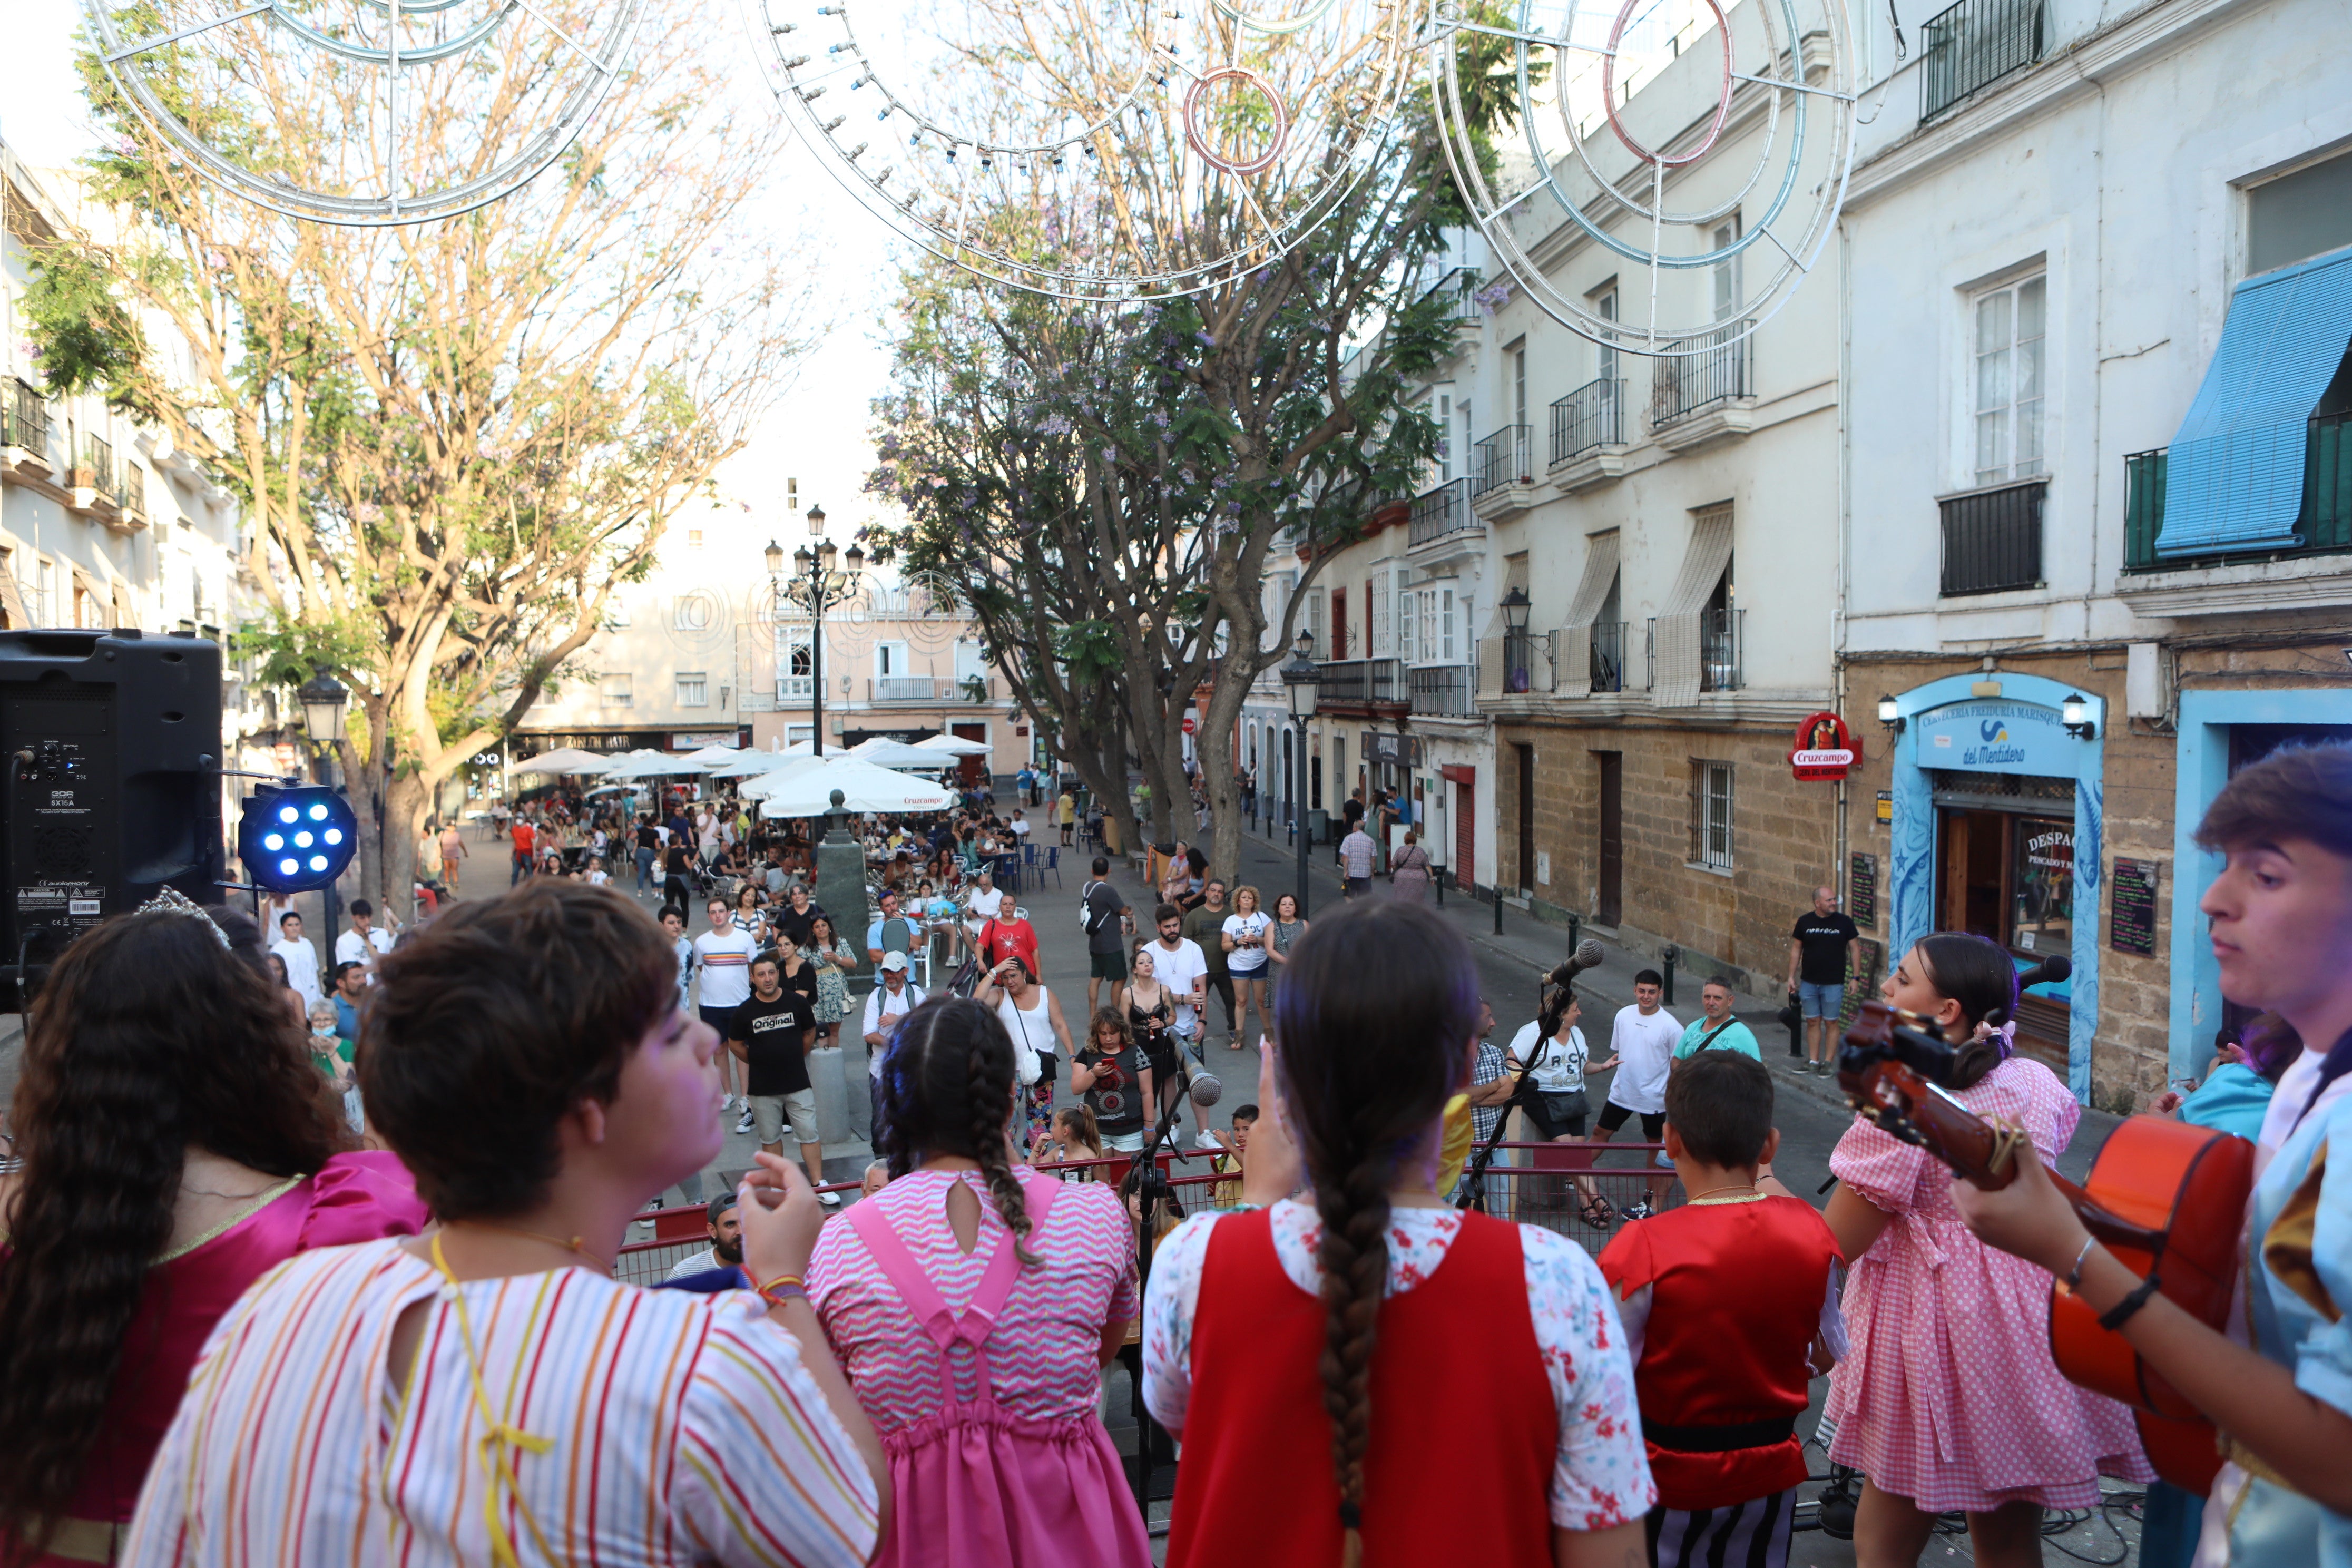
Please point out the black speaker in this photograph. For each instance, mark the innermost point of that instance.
(111, 741)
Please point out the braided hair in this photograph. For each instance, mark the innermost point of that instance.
(1375, 1016)
(947, 1089)
(1977, 973)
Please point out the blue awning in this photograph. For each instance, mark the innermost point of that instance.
(2234, 478)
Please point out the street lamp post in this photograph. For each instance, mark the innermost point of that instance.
(815, 585)
(322, 697)
(1300, 678)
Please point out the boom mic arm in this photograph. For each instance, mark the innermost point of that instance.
(1589, 954)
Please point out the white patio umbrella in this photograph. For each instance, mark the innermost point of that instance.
(750, 764)
(954, 745)
(775, 778)
(884, 752)
(653, 765)
(714, 755)
(863, 786)
(567, 760)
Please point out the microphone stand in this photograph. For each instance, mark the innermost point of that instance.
(1150, 1187)
(1473, 1176)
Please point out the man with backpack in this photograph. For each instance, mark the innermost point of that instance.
(1103, 916)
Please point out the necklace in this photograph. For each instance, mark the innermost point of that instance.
(574, 1245)
(1747, 1187)
(231, 1197)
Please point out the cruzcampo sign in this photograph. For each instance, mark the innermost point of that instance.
(1996, 737)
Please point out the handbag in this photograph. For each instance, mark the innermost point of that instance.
(1562, 1110)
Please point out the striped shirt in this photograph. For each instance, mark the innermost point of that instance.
(663, 1427)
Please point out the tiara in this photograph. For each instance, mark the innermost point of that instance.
(172, 901)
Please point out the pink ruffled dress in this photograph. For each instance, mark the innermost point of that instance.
(984, 1377)
(1949, 1397)
(358, 1196)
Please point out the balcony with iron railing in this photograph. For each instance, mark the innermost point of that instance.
(1719, 639)
(2323, 526)
(1503, 459)
(134, 489)
(1587, 419)
(1461, 287)
(24, 420)
(1439, 511)
(1993, 537)
(1444, 692)
(1707, 374)
(1607, 651)
(902, 688)
(1973, 45)
(1531, 662)
(1362, 683)
(98, 472)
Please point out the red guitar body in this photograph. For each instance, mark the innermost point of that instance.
(2187, 1187)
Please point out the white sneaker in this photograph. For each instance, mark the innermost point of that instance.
(745, 1124)
(830, 1200)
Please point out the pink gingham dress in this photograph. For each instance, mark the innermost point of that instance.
(984, 1378)
(1949, 1397)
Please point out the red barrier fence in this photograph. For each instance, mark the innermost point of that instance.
(1554, 1185)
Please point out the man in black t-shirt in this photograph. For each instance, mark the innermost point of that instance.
(1105, 916)
(1823, 950)
(770, 1035)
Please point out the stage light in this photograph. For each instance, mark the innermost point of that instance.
(305, 857)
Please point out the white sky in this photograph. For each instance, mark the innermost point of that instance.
(817, 432)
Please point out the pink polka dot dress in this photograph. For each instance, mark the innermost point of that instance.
(1949, 1397)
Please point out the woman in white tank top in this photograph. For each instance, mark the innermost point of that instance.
(1032, 1018)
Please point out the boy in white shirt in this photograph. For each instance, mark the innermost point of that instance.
(1642, 1040)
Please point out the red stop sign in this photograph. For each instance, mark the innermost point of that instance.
(1189, 725)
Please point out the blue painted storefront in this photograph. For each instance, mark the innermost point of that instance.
(1949, 727)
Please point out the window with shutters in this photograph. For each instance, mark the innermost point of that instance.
(693, 688)
(1376, 600)
(1407, 616)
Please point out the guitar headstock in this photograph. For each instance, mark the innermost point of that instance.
(1895, 1066)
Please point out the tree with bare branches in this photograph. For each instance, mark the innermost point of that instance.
(453, 440)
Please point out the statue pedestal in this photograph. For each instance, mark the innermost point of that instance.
(838, 1073)
(825, 1077)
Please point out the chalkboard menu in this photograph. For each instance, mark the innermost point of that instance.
(1862, 891)
(2131, 920)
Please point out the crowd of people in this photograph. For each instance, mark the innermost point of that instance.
(235, 1327)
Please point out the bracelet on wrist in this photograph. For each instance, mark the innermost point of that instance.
(782, 1288)
(2074, 1277)
(2121, 1312)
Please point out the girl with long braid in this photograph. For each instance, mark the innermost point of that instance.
(1363, 1376)
(975, 1303)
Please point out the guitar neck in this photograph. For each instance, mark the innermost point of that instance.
(1982, 1154)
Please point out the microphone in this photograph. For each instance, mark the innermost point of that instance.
(2049, 972)
(1207, 1089)
(1589, 954)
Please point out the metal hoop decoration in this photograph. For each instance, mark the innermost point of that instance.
(603, 67)
(1608, 91)
(1195, 100)
(1306, 19)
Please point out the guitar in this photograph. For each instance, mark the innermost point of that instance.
(2165, 1197)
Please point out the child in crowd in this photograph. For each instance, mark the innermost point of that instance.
(1116, 1080)
(1950, 1400)
(1234, 1157)
(1072, 1136)
(1721, 1385)
(1309, 1353)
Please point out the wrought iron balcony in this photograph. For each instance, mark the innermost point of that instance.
(1720, 650)
(902, 688)
(1974, 44)
(134, 489)
(1362, 683)
(1608, 656)
(1461, 287)
(1503, 459)
(1440, 511)
(2323, 526)
(98, 463)
(1717, 366)
(1593, 415)
(1993, 538)
(24, 420)
(1531, 662)
(1443, 691)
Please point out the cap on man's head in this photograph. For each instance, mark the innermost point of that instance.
(894, 963)
(721, 1206)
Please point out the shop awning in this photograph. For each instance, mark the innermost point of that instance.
(2234, 477)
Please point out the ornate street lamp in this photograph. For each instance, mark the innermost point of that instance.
(1301, 677)
(820, 579)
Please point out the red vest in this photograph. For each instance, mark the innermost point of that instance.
(1735, 1299)
(1463, 1428)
